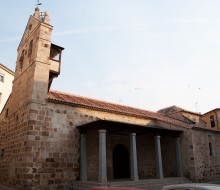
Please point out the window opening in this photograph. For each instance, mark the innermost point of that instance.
(30, 48)
(21, 60)
(1, 77)
(57, 57)
(17, 119)
(212, 121)
(6, 113)
(210, 149)
(30, 26)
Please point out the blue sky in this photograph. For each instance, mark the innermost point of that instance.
(143, 53)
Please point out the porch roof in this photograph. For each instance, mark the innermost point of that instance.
(120, 128)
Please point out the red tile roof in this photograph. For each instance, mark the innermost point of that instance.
(79, 101)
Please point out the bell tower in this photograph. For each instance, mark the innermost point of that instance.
(24, 119)
(38, 62)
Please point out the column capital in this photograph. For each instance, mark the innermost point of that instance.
(157, 136)
(102, 130)
(132, 134)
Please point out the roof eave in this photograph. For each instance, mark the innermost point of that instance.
(113, 111)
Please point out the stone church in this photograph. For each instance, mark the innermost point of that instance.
(51, 139)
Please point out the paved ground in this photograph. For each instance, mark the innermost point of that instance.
(5, 188)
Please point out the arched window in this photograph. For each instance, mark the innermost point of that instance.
(30, 48)
(30, 27)
(21, 60)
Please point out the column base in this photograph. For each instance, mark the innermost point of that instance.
(135, 178)
(83, 178)
(102, 180)
(160, 177)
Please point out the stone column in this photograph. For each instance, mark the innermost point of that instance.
(102, 156)
(133, 157)
(83, 158)
(179, 164)
(159, 164)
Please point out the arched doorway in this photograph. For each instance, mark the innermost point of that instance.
(120, 162)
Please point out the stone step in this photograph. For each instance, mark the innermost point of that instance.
(150, 184)
(135, 184)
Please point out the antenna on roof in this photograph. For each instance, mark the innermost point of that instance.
(138, 94)
(38, 3)
(196, 104)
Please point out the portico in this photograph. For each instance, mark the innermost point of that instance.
(139, 152)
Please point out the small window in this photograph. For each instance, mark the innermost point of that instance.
(6, 113)
(30, 27)
(17, 118)
(1, 77)
(21, 60)
(30, 48)
(0, 98)
(210, 149)
(212, 121)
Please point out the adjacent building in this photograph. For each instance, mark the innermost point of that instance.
(183, 115)
(6, 79)
(212, 119)
(51, 139)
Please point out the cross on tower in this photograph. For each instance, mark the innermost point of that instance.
(38, 3)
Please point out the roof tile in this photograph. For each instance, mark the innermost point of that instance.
(74, 100)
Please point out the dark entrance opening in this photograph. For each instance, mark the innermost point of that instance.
(121, 162)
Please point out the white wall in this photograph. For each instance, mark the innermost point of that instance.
(5, 86)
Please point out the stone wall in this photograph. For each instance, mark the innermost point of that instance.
(41, 148)
(168, 151)
(146, 156)
(13, 163)
(59, 157)
(206, 163)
